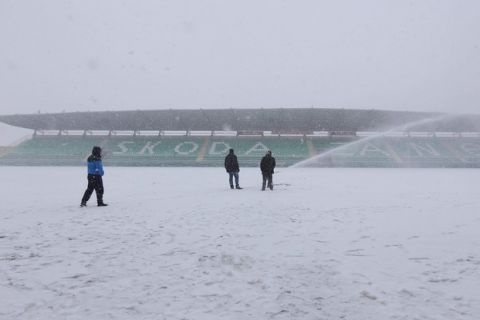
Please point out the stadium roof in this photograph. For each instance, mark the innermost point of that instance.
(282, 120)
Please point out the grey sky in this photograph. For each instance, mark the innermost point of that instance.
(115, 55)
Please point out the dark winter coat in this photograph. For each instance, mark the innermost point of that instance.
(267, 165)
(231, 163)
(94, 162)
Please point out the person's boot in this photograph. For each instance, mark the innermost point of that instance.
(83, 204)
(101, 204)
(231, 187)
(271, 187)
(238, 187)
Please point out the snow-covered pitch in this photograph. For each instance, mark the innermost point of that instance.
(177, 243)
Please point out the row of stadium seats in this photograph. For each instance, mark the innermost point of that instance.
(210, 151)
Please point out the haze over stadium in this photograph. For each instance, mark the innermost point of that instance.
(109, 55)
(370, 109)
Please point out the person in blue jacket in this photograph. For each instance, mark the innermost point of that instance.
(95, 173)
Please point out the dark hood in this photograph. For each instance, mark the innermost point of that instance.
(97, 152)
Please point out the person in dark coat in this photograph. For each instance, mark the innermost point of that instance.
(95, 173)
(267, 166)
(232, 168)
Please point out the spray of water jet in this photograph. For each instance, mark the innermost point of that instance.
(405, 127)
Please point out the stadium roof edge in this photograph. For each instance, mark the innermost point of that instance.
(218, 109)
(286, 120)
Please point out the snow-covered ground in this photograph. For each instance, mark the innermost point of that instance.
(177, 243)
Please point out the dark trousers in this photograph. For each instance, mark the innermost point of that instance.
(267, 179)
(230, 179)
(95, 182)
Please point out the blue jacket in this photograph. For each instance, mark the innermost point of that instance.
(95, 166)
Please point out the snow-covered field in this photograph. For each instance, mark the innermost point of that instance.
(177, 243)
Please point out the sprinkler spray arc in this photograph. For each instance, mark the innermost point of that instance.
(308, 162)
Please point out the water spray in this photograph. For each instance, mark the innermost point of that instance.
(404, 127)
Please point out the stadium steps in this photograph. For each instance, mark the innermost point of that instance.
(5, 150)
(203, 149)
(311, 148)
(392, 152)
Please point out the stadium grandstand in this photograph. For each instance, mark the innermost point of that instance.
(329, 137)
